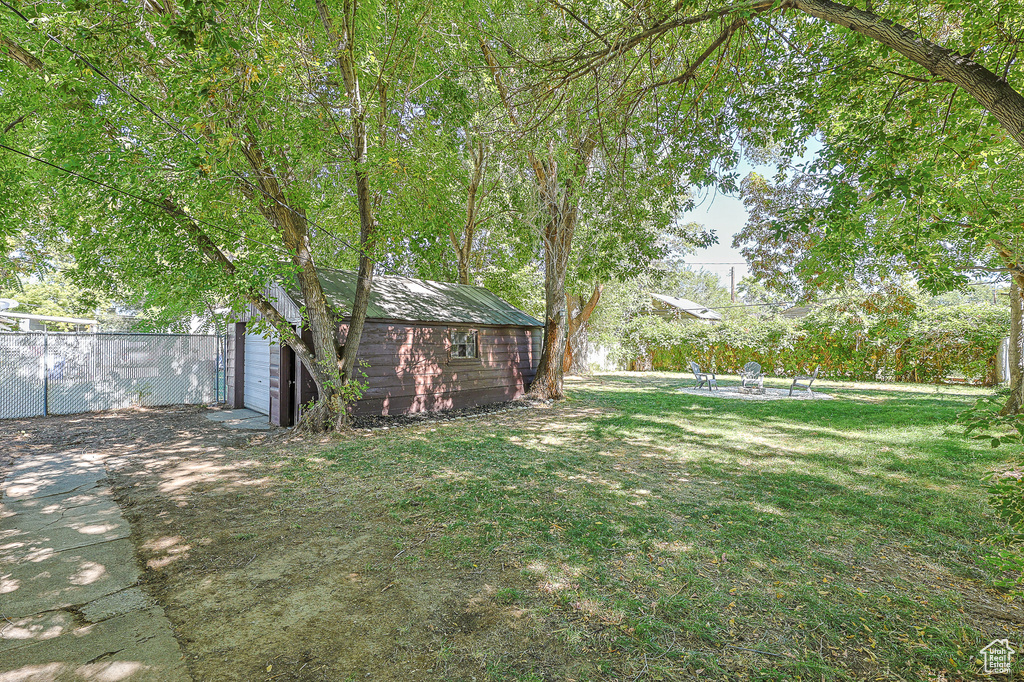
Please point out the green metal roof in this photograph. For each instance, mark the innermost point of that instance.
(418, 300)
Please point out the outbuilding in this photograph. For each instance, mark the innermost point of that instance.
(681, 309)
(426, 346)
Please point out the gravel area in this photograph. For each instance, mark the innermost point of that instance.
(734, 392)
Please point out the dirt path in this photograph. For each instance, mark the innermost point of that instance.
(263, 580)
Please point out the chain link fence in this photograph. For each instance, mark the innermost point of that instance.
(52, 373)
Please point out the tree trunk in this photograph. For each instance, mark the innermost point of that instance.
(577, 345)
(322, 326)
(345, 53)
(558, 197)
(547, 385)
(1016, 398)
(562, 205)
(321, 360)
(318, 317)
(463, 244)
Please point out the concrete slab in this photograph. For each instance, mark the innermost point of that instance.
(256, 424)
(46, 579)
(117, 604)
(244, 419)
(44, 484)
(134, 647)
(39, 627)
(102, 523)
(69, 595)
(36, 513)
(233, 415)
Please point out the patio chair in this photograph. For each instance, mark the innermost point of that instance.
(804, 381)
(751, 376)
(703, 377)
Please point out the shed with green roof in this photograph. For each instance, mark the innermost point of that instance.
(426, 346)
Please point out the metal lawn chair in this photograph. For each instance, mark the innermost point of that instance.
(703, 377)
(751, 376)
(804, 381)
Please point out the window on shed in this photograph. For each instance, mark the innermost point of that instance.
(464, 344)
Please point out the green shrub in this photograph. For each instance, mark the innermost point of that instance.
(878, 338)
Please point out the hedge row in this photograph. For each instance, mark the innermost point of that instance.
(849, 341)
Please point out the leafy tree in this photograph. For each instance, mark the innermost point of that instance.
(915, 96)
(210, 148)
(610, 163)
(59, 297)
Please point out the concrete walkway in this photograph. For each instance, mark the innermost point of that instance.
(70, 603)
(242, 418)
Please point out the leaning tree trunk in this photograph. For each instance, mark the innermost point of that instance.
(344, 47)
(991, 90)
(294, 229)
(547, 385)
(577, 342)
(1016, 398)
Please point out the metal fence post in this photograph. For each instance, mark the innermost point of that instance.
(46, 375)
(217, 377)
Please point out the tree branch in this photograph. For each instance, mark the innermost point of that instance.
(991, 91)
(258, 300)
(692, 70)
(20, 54)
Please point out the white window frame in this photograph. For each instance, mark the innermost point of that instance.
(471, 343)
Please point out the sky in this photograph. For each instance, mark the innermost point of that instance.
(726, 215)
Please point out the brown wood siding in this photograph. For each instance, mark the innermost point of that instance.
(410, 369)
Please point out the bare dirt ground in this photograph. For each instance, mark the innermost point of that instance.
(267, 581)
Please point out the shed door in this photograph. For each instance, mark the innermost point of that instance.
(257, 373)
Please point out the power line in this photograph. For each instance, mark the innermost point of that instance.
(812, 303)
(101, 74)
(178, 131)
(114, 188)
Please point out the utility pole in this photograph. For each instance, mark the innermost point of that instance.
(732, 285)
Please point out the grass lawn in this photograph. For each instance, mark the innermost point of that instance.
(659, 535)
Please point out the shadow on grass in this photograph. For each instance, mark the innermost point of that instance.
(671, 515)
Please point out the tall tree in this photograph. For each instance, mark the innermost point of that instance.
(603, 152)
(941, 66)
(201, 138)
(560, 171)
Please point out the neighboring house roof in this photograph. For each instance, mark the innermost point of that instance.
(685, 306)
(796, 312)
(417, 300)
(9, 318)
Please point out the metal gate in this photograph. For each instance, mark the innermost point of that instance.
(52, 373)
